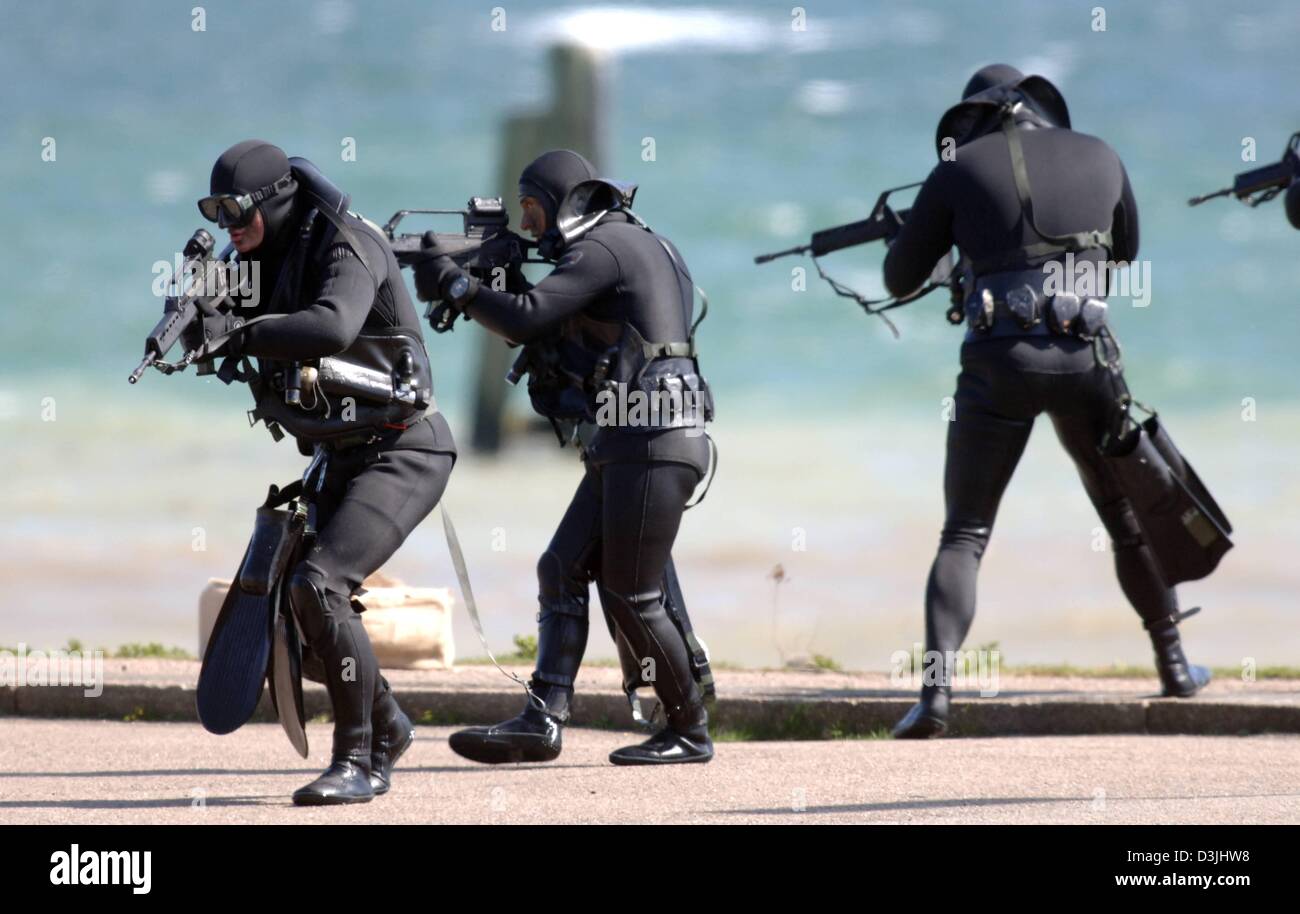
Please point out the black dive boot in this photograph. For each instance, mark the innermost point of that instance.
(1178, 677)
(340, 641)
(346, 780)
(392, 735)
(684, 741)
(533, 736)
(928, 718)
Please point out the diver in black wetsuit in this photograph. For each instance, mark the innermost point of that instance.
(331, 288)
(1026, 352)
(612, 322)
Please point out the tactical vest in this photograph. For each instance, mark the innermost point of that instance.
(592, 368)
(381, 382)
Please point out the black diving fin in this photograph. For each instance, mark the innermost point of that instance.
(285, 678)
(1184, 526)
(234, 663)
(237, 659)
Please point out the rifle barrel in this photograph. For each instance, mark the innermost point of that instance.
(142, 367)
(1197, 201)
(799, 249)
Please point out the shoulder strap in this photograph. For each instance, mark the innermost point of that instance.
(686, 349)
(1051, 244)
(345, 232)
(704, 299)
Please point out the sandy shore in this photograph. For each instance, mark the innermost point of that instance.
(112, 545)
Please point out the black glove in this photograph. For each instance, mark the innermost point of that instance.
(193, 335)
(234, 346)
(436, 272)
(200, 333)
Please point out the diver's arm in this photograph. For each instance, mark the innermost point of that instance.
(586, 273)
(926, 237)
(329, 324)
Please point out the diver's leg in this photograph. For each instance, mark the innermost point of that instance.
(643, 505)
(985, 441)
(563, 582)
(629, 666)
(376, 499)
(393, 732)
(1080, 431)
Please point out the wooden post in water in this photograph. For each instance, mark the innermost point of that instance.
(574, 121)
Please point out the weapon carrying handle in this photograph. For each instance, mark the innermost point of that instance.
(879, 225)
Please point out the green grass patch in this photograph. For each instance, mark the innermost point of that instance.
(136, 651)
(526, 646)
(823, 662)
(1267, 672)
(1129, 671)
(796, 722)
(430, 719)
(132, 651)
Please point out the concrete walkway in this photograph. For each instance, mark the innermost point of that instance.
(110, 772)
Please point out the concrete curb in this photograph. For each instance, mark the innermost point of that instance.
(759, 717)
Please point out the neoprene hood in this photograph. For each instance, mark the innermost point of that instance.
(248, 166)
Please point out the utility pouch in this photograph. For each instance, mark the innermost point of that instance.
(1063, 313)
(1023, 303)
(1092, 317)
(979, 310)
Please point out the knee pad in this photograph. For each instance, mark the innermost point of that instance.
(556, 582)
(966, 537)
(310, 606)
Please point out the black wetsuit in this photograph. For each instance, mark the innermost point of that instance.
(1078, 185)
(620, 526)
(374, 491)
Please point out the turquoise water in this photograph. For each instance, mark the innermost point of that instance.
(761, 133)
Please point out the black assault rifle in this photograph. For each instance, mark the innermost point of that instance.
(484, 246)
(1262, 184)
(200, 290)
(883, 223)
